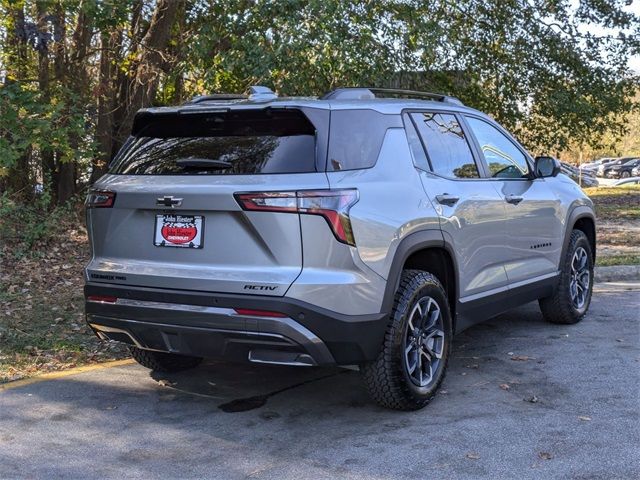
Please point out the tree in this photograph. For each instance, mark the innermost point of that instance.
(74, 72)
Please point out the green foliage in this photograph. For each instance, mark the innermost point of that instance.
(25, 225)
(532, 64)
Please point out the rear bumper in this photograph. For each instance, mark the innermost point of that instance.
(206, 325)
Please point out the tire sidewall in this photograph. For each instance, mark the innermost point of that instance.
(581, 241)
(420, 288)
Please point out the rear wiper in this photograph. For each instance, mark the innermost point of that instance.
(204, 163)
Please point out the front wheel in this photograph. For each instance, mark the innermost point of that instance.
(572, 297)
(413, 359)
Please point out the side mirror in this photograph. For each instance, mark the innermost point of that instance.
(547, 167)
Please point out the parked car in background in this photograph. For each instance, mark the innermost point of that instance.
(627, 182)
(583, 178)
(605, 167)
(593, 166)
(623, 170)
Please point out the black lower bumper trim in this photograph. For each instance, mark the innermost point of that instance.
(350, 339)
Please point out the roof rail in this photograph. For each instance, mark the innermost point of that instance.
(257, 93)
(216, 96)
(369, 93)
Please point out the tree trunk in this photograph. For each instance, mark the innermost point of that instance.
(17, 179)
(46, 154)
(105, 95)
(78, 81)
(151, 59)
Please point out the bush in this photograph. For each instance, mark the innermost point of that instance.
(27, 228)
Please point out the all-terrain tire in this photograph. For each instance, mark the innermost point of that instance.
(387, 378)
(164, 362)
(559, 307)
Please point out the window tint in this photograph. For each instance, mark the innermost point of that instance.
(503, 158)
(356, 137)
(219, 143)
(217, 155)
(446, 145)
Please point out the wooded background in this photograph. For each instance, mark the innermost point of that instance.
(74, 72)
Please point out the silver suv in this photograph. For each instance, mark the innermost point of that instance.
(362, 228)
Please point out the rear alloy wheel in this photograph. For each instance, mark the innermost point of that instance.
(162, 361)
(625, 174)
(413, 359)
(572, 297)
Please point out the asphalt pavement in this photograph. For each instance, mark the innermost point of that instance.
(522, 399)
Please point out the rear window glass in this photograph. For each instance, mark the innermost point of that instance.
(356, 138)
(446, 144)
(219, 143)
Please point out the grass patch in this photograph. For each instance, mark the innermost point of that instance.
(611, 260)
(616, 203)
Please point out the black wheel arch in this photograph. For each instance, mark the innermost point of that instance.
(425, 248)
(581, 218)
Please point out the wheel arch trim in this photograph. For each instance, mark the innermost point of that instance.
(578, 213)
(415, 242)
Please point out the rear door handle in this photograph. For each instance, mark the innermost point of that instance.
(446, 199)
(513, 199)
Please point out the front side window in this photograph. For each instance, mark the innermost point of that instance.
(503, 158)
(446, 145)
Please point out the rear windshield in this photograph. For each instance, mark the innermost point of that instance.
(245, 142)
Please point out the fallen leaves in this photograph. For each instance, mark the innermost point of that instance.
(532, 399)
(472, 456)
(584, 418)
(545, 455)
(505, 386)
(521, 358)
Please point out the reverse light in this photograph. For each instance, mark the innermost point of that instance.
(100, 199)
(248, 312)
(333, 205)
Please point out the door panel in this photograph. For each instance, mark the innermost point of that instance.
(534, 229)
(475, 225)
(470, 210)
(532, 211)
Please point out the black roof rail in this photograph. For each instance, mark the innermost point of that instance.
(369, 93)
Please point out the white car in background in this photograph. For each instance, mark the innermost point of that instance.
(627, 182)
(593, 166)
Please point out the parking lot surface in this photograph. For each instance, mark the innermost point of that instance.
(522, 399)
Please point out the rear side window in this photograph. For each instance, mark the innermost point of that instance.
(356, 137)
(446, 144)
(244, 142)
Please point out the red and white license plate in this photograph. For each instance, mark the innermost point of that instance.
(184, 231)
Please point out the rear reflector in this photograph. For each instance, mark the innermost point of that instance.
(102, 299)
(333, 205)
(258, 313)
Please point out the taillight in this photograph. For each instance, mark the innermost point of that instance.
(100, 199)
(249, 312)
(333, 205)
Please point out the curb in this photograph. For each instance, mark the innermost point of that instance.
(64, 373)
(617, 273)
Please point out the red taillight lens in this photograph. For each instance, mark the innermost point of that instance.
(258, 313)
(100, 199)
(333, 205)
(102, 299)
